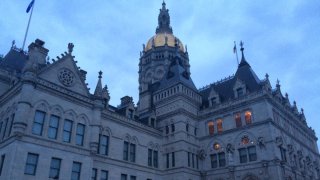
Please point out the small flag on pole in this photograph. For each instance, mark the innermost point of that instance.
(30, 6)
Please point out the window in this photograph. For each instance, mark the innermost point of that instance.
(238, 120)
(125, 151)
(76, 170)
(247, 117)
(11, 124)
(195, 131)
(167, 129)
(80, 134)
(219, 126)
(187, 128)
(222, 159)
(192, 160)
(197, 158)
(94, 174)
(103, 144)
(214, 160)
(155, 159)
(2, 162)
(31, 164)
(104, 175)
(172, 128)
(218, 160)
(167, 160)
(133, 177)
(152, 122)
(130, 114)
(123, 177)
(53, 127)
(252, 153)
(240, 92)
(67, 131)
(173, 159)
(132, 152)
(149, 157)
(283, 154)
(55, 168)
(38, 123)
(5, 128)
(211, 128)
(213, 101)
(243, 155)
(189, 163)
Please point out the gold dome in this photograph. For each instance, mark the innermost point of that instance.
(160, 39)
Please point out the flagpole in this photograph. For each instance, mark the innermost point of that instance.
(25, 36)
(236, 51)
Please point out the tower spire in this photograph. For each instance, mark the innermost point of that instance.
(164, 20)
(98, 90)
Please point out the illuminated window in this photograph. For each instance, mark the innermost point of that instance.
(211, 127)
(219, 125)
(238, 120)
(248, 117)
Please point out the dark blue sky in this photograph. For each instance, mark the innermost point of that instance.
(281, 38)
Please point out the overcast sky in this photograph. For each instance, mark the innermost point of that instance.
(281, 38)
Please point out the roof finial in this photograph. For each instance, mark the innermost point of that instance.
(243, 61)
(100, 74)
(70, 47)
(163, 5)
(13, 43)
(164, 20)
(267, 76)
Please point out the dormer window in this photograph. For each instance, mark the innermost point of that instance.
(240, 92)
(130, 114)
(213, 101)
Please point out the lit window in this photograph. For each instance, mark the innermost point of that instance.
(104, 175)
(238, 120)
(248, 117)
(55, 168)
(80, 134)
(219, 125)
(53, 127)
(38, 122)
(211, 127)
(31, 164)
(76, 170)
(103, 144)
(67, 131)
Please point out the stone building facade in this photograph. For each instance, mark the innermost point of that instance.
(239, 128)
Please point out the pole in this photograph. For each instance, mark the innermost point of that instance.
(25, 36)
(236, 51)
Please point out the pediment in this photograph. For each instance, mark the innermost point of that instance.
(65, 73)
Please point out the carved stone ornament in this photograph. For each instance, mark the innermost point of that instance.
(279, 141)
(66, 77)
(202, 154)
(230, 148)
(261, 142)
(290, 149)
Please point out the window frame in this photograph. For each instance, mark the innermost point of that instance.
(53, 128)
(52, 168)
(76, 172)
(33, 164)
(37, 123)
(67, 132)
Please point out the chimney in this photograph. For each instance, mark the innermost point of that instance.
(37, 52)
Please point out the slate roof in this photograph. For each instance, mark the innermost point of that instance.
(176, 73)
(225, 88)
(14, 60)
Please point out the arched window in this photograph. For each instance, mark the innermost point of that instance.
(219, 126)
(211, 127)
(248, 117)
(238, 120)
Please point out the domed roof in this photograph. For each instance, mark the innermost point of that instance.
(161, 39)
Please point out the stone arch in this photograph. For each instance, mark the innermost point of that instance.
(150, 145)
(134, 140)
(82, 118)
(41, 105)
(70, 114)
(127, 137)
(250, 176)
(238, 138)
(157, 147)
(56, 110)
(106, 131)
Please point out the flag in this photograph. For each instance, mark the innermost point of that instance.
(30, 6)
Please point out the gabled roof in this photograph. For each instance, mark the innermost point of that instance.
(175, 74)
